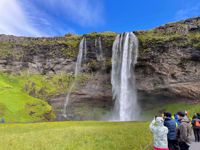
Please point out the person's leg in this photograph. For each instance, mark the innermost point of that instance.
(184, 146)
(198, 134)
(176, 145)
(195, 134)
(170, 144)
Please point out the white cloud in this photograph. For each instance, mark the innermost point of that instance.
(82, 12)
(86, 12)
(13, 19)
(48, 17)
(188, 12)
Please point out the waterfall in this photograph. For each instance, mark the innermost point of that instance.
(99, 50)
(82, 56)
(124, 58)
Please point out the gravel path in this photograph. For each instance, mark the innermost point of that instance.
(195, 146)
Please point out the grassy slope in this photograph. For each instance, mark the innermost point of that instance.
(76, 136)
(23, 94)
(16, 105)
(173, 108)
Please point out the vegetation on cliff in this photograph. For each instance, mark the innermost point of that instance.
(179, 34)
(18, 106)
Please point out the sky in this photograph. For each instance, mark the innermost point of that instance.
(58, 17)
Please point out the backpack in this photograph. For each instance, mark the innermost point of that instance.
(197, 124)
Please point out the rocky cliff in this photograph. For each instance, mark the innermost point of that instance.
(168, 65)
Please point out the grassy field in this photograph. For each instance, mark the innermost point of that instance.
(76, 136)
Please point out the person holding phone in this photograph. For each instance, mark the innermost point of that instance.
(159, 133)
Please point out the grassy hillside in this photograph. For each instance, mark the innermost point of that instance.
(18, 106)
(76, 136)
(23, 98)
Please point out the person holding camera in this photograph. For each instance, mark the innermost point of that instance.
(159, 133)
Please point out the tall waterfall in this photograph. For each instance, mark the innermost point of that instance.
(124, 58)
(82, 56)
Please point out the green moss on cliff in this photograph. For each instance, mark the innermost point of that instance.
(72, 44)
(18, 106)
(44, 87)
(194, 38)
(152, 39)
(7, 50)
(100, 34)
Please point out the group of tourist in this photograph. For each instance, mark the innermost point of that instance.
(175, 132)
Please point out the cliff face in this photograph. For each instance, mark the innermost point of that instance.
(168, 65)
(169, 60)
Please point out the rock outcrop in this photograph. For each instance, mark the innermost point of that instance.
(169, 59)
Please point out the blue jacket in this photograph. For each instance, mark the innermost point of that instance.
(171, 125)
(177, 120)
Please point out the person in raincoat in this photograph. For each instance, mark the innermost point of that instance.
(159, 133)
(184, 132)
(171, 125)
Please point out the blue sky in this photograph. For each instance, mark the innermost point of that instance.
(58, 17)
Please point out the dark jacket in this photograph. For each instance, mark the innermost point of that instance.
(171, 125)
(194, 123)
(184, 131)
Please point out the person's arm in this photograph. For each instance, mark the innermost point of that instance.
(152, 126)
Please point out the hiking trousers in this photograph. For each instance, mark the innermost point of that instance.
(196, 134)
(183, 146)
(173, 145)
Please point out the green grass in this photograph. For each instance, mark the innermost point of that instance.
(76, 136)
(17, 106)
(43, 86)
(23, 97)
(173, 108)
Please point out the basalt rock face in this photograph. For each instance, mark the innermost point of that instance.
(169, 62)
(47, 55)
(168, 65)
(37, 55)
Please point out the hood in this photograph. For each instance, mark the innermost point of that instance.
(176, 117)
(159, 121)
(168, 118)
(185, 119)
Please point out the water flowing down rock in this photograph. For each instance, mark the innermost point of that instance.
(99, 50)
(124, 58)
(82, 56)
(99, 53)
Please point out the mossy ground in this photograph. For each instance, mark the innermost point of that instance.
(23, 98)
(18, 106)
(76, 136)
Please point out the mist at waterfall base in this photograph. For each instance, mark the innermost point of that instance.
(124, 58)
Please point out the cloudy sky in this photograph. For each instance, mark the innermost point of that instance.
(58, 17)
